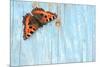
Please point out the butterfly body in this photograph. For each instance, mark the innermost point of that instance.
(33, 22)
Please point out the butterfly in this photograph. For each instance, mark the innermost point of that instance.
(35, 20)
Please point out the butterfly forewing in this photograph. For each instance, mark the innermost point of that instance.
(43, 16)
(30, 26)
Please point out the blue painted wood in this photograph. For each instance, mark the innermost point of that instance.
(73, 41)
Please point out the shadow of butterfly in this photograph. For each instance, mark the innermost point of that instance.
(38, 17)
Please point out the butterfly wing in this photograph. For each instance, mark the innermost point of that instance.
(30, 25)
(38, 18)
(43, 16)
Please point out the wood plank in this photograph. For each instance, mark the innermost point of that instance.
(73, 41)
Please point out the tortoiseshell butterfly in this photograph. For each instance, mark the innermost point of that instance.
(36, 19)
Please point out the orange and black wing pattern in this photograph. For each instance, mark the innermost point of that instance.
(43, 16)
(32, 22)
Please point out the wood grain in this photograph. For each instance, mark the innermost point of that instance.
(74, 41)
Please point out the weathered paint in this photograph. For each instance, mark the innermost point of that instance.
(73, 41)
